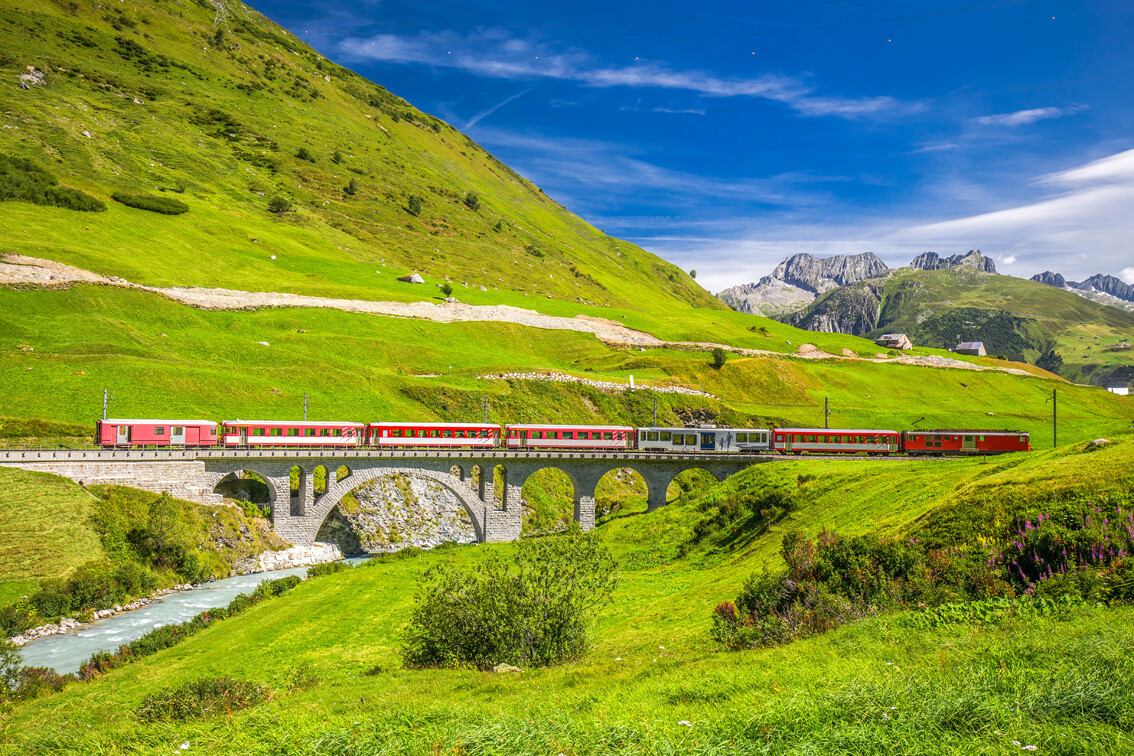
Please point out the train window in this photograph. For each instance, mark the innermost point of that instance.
(275, 431)
(434, 434)
(324, 431)
(779, 437)
(567, 435)
(583, 436)
(396, 433)
(981, 438)
(339, 432)
(741, 438)
(652, 436)
(665, 435)
(553, 434)
(608, 437)
(537, 434)
(809, 439)
(159, 430)
(309, 431)
(293, 431)
(446, 434)
(1023, 439)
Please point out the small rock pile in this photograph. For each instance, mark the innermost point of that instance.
(606, 387)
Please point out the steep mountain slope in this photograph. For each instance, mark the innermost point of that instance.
(1098, 288)
(213, 105)
(798, 280)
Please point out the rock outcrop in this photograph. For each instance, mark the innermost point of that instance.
(798, 280)
(1051, 279)
(296, 556)
(974, 259)
(397, 511)
(853, 309)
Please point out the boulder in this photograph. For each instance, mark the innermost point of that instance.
(506, 668)
(413, 278)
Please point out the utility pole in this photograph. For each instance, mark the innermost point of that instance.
(1054, 419)
(655, 409)
(486, 409)
(304, 406)
(107, 398)
(826, 412)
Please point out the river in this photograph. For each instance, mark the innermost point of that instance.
(64, 653)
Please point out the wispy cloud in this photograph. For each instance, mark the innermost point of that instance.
(485, 113)
(496, 53)
(1025, 117)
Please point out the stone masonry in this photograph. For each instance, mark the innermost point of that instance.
(194, 475)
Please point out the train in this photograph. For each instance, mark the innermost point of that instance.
(537, 437)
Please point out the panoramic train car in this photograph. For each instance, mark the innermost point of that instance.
(704, 438)
(835, 441)
(954, 441)
(290, 433)
(611, 437)
(156, 432)
(439, 435)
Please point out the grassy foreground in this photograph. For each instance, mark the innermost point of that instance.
(653, 683)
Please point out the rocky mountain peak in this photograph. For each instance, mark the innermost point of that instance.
(1051, 279)
(796, 282)
(934, 261)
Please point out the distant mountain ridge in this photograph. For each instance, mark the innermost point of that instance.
(802, 278)
(1099, 283)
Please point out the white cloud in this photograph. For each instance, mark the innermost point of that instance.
(1025, 117)
(1009, 260)
(1127, 275)
(496, 54)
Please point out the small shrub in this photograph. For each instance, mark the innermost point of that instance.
(163, 205)
(206, 696)
(534, 611)
(33, 682)
(414, 205)
(337, 157)
(279, 205)
(693, 274)
(23, 180)
(472, 201)
(447, 289)
(328, 568)
(351, 188)
(303, 154)
(303, 677)
(720, 357)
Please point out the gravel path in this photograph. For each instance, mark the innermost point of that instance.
(20, 269)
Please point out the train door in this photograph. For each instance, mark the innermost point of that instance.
(123, 436)
(708, 441)
(243, 436)
(893, 444)
(968, 443)
(177, 435)
(787, 441)
(523, 439)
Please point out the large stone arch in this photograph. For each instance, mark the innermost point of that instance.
(323, 505)
(718, 474)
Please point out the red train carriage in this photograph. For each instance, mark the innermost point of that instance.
(293, 433)
(962, 441)
(610, 437)
(156, 432)
(438, 435)
(835, 441)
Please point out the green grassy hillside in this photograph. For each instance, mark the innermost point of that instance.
(154, 98)
(653, 682)
(59, 349)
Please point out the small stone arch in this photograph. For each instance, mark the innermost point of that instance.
(461, 489)
(320, 480)
(630, 493)
(458, 472)
(548, 507)
(341, 472)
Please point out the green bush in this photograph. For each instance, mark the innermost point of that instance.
(472, 201)
(163, 205)
(351, 188)
(534, 611)
(303, 154)
(720, 357)
(414, 206)
(206, 696)
(329, 568)
(23, 180)
(279, 205)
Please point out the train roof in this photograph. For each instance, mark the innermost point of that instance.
(319, 423)
(713, 429)
(119, 421)
(559, 426)
(986, 431)
(852, 431)
(393, 423)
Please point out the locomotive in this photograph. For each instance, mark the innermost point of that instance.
(535, 437)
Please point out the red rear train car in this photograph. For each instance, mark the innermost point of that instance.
(291, 433)
(585, 437)
(964, 441)
(433, 435)
(156, 432)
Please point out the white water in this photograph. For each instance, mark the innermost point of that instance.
(64, 653)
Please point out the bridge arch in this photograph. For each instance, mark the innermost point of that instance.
(551, 493)
(323, 505)
(715, 474)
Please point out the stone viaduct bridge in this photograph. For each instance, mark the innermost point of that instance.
(194, 474)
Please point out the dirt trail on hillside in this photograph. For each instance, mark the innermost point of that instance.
(23, 270)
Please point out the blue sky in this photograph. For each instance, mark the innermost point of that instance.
(725, 137)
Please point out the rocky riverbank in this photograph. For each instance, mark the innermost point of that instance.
(67, 624)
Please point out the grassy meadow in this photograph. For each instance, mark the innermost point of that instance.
(653, 682)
